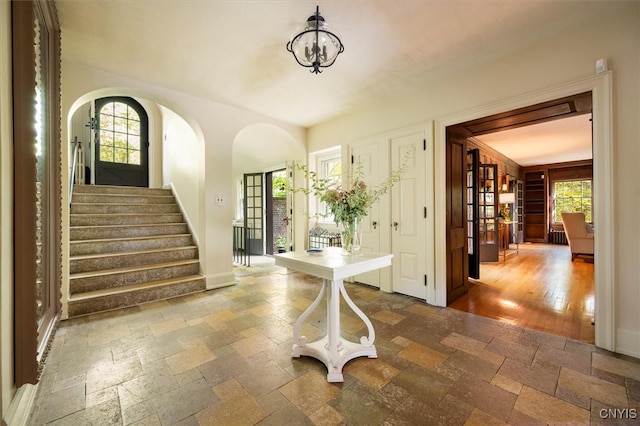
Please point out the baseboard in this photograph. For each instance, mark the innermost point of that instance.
(21, 405)
(225, 279)
(628, 342)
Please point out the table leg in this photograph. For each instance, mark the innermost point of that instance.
(301, 341)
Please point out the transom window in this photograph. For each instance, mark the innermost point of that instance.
(119, 134)
(572, 196)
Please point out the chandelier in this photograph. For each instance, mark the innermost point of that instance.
(314, 46)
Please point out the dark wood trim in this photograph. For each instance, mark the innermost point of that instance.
(31, 342)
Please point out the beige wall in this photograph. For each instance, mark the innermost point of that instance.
(567, 57)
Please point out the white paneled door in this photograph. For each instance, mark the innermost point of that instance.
(368, 157)
(408, 216)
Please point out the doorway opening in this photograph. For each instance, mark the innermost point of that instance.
(539, 287)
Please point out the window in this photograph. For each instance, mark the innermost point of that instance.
(572, 196)
(120, 132)
(328, 165)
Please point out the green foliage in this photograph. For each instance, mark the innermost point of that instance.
(354, 202)
(572, 196)
(281, 242)
(279, 186)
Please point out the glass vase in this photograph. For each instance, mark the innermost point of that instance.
(350, 236)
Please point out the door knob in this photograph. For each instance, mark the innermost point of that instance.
(395, 225)
(375, 224)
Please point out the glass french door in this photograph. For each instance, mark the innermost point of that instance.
(488, 212)
(253, 212)
(473, 224)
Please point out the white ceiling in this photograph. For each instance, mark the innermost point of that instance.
(233, 52)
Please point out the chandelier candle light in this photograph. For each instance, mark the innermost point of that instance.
(314, 46)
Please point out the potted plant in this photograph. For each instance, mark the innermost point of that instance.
(281, 244)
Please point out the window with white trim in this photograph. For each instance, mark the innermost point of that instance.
(328, 165)
(572, 196)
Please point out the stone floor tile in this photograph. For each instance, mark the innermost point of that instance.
(617, 366)
(261, 379)
(388, 317)
(474, 365)
(541, 378)
(480, 418)
(515, 351)
(507, 384)
(548, 356)
(252, 345)
(146, 386)
(371, 371)
(310, 392)
(464, 343)
(326, 416)
(60, 404)
(484, 396)
(237, 408)
(192, 398)
(195, 354)
(593, 387)
(350, 402)
(549, 409)
(167, 326)
(106, 375)
(423, 356)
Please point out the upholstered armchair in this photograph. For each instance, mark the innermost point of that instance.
(579, 234)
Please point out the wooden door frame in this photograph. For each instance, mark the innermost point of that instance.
(601, 87)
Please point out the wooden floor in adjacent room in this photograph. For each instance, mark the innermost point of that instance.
(538, 288)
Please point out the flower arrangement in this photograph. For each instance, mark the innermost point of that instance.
(349, 204)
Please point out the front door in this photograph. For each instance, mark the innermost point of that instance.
(408, 216)
(253, 213)
(456, 214)
(122, 143)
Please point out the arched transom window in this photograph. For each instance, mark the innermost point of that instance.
(120, 134)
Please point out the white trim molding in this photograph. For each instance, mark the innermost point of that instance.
(601, 87)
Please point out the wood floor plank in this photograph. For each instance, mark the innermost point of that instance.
(538, 288)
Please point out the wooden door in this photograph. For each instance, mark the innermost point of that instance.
(122, 143)
(473, 224)
(456, 223)
(408, 216)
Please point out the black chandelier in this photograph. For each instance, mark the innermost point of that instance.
(314, 46)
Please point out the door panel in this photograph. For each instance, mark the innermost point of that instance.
(488, 212)
(122, 143)
(367, 157)
(408, 222)
(253, 213)
(456, 214)
(473, 225)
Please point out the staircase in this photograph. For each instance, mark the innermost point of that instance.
(128, 246)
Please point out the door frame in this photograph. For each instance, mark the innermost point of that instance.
(604, 276)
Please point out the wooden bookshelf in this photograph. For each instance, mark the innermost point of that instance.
(535, 207)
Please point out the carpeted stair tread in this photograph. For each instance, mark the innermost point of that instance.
(129, 253)
(130, 288)
(103, 272)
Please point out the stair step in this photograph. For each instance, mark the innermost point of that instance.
(123, 198)
(118, 277)
(98, 262)
(116, 245)
(78, 233)
(109, 189)
(109, 299)
(124, 219)
(103, 208)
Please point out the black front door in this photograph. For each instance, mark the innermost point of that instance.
(122, 143)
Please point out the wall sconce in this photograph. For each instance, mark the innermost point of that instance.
(314, 46)
(505, 183)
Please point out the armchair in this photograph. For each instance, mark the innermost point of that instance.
(579, 234)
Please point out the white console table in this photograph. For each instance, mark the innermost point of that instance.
(333, 267)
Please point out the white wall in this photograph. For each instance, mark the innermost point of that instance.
(216, 124)
(7, 388)
(569, 56)
(184, 168)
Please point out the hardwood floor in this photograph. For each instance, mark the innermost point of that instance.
(538, 288)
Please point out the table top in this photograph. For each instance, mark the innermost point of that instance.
(331, 264)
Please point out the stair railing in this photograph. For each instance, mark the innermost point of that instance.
(72, 176)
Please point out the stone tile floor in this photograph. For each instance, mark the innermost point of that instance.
(223, 358)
